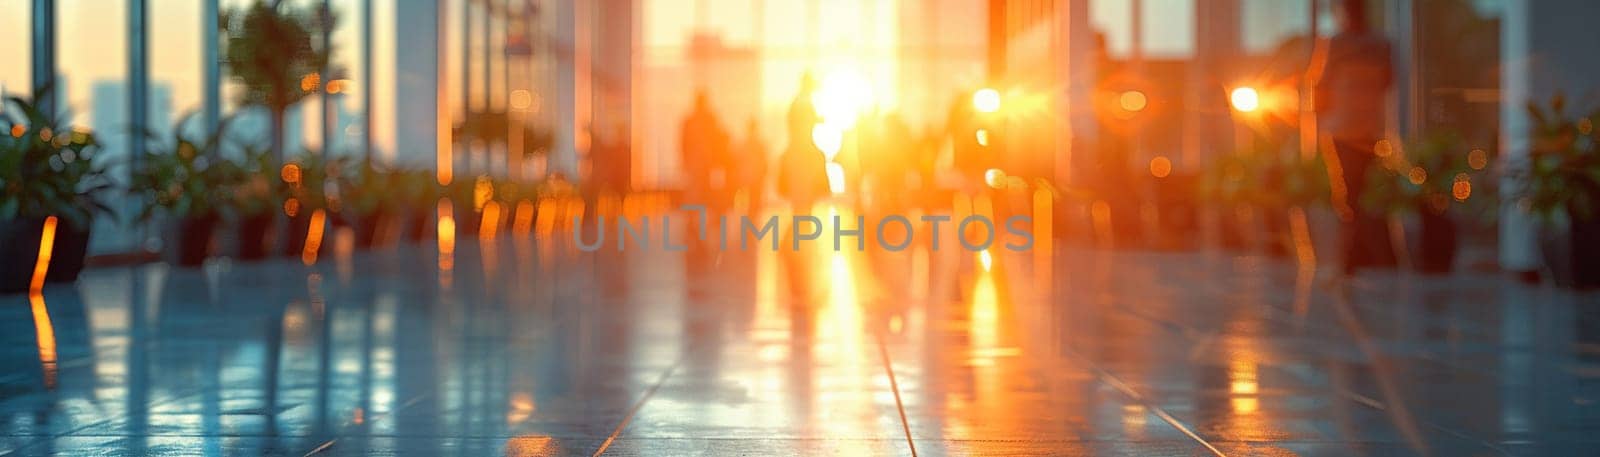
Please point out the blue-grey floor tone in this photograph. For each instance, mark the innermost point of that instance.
(537, 350)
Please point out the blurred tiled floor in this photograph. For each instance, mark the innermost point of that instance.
(536, 350)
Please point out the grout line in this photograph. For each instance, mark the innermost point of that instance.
(321, 448)
(637, 405)
(888, 367)
(1108, 378)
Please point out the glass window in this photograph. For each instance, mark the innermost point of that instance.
(1113, 20)
(251, 124)
(1168, 28)
(16, 49)
(176, 76)
(1267, 24)
(383, 82)
(344, 88)
(92, 61)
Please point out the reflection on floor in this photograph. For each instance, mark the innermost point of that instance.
(527, 349)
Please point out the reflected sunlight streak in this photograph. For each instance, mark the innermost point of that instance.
(45, 336)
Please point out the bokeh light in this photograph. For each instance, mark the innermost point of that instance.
(986, 100)
(1245, 99)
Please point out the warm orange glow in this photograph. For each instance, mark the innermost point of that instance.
(41, 264)
(310, 82)
(291, 207)
(1300, 231)
(986, 260)
(1133, 101)
(338, 85)
(841, 97)
(1100, 218)
(17, 130)
(1383, 148)
(290, 173)
(545, 223)
(573, 209)
(1462, 189)
(447, 235)
(994, 177)
(1243, 387)
(1160, 166)
(482, 191)
(522, 222)
(521, 99)
(1245, 99)
(489, 226)
(313, 243)
(45, 134)
(835, 178)
(1417, 175)
(532, 445)
(1478, 159)
(982, 137)
(986, 100)
(521, 406)
(1044, 241)
(45, 336)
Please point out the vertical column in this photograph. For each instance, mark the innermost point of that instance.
(1546, 48)
(1401, 24)
(420, 119)
(997, 40)
(138, 79)
(464, 148)
(138, 101)
(572, 85)
(1518, 247)
(1080, 71)
(44, 55)
(366, 79)
(211, 64)
(325, 74)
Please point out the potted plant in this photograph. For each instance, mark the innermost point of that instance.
(1232, 186)
(418, 192)
(1430, 179)
(255, 200)
(272, 52)
(308, 189)
(367, 206)
(467, 197)
(188, 181)
(1289, 184)
(1563, 188)
(46, 172)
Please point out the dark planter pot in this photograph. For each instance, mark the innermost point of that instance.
(416, 226)
(253, 236)
(1584, 239)
(467, 224)
(19, 251)
(1571, 251)
(1436, 243)
(368, 227)
(67, 255)
(190, 239)
(294, 242)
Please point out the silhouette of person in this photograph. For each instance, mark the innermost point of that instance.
(802, 180)
(803, 174)
(1351, 73)
(751, 164)
(967, 154)
(613, 162)
(704, 146)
